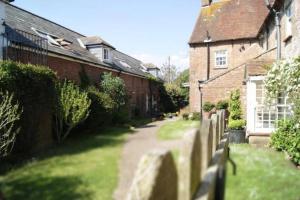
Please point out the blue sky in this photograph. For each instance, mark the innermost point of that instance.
(150, 30)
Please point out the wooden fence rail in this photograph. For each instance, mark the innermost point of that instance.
(201, 167)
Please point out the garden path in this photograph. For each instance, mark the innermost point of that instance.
(142, 141)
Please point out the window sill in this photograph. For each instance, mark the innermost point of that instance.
(217, 68)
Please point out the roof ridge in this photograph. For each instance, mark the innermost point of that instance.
(46, 19)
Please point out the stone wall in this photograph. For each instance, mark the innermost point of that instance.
(201, 167)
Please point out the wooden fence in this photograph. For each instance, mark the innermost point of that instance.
(201, 167)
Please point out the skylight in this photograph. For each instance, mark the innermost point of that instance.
(52, 39)
(124, 64)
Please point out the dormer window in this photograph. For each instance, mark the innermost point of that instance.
(105, 54)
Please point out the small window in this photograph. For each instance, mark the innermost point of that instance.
(288, 15)
(221, 59)
(105, 54)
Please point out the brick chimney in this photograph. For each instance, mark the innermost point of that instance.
(206, 2)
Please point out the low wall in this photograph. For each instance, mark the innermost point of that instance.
(201, 167)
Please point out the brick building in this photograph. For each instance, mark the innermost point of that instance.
(230, 46)
(34, 39)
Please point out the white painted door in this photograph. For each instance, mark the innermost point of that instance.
(262, 117)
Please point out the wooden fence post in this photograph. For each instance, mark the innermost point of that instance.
(189, 167)
(206, 138)
(155, 178)
(215, 127)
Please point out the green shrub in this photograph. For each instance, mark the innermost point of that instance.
(237, 124)
(72, 108)
(10, 113)
(115, 88)
(172, 97)
(207, 107)
(287, 138)
(235, 118)
(34, 88)
(121, 117)
(185, 116)
(222, 105)
(196, 116)
(101, 109)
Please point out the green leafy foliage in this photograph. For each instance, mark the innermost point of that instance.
(196, 116)
(235, 118)
(171, 97)
(222, 105)
(237, 124)
(115, 88)
(208, 106)
(284, 76)
(182, 78)
(34, 88)
(72, 108)
(185, 116)
(10, 113)
(101, 109)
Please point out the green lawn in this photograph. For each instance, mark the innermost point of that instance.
(84, 167)
(262, 174)
(175, 129)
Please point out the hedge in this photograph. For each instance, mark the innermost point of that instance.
(34, 88)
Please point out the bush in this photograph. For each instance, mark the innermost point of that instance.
(72, 108)
(34, 88)
(172, 97)
(222, 105)
(237, 124)
(235, 118)
(115, 88)
(287, 138)
(101, 108)
(207, 107)
(10, 113)
(185, 116)
(196, 116)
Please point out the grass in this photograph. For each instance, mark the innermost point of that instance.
(84, 167)
(175, 129)
(261, 174)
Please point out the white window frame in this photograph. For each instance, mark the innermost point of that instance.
(288, 11)
(259, 114)
(105, 54)
(222, 58)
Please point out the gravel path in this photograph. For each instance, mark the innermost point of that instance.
(137, 144)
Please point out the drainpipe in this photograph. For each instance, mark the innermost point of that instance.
(207, 41)
(201, 99)
(278, 26)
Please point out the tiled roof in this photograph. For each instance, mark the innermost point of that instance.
(230, 20)
(17, 18)
(258, 67)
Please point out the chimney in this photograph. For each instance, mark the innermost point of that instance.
(206, 2)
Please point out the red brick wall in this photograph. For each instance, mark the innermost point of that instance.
(137, 87)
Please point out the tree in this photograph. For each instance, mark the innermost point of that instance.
(115, 88)
(10, 113)
(182, 78)
(72, 108)
(169, 72)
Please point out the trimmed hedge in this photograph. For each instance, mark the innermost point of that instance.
(34, 88)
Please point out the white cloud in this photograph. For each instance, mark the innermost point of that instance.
(180, 60)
